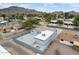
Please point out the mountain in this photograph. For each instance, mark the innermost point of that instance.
(73, 13)
(20, 10)
(17, 10)
(70, 13)
(58, 12)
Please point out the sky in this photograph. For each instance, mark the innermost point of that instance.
(45, 7)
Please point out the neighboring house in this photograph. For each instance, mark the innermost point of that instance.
(66, 21)
(70, 38)
(2, 22)
(39, 18)
(17, 26)
(60, 19)
(69, 19)
(70, 43)
(53, 21)
(66, 42)
(6, 26)
(1, 18)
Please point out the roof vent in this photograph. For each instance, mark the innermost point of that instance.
(43, 34)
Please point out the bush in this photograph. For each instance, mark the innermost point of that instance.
(76, 20)
(59, 22)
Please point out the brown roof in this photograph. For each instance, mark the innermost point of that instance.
(57, 48)
(69, 35)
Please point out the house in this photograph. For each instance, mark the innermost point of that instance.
(68, 23)
(65, 21)
(70, 38)
(3, 22)
(1, 18)
(69, 19)
(36, 40)
(53, 21)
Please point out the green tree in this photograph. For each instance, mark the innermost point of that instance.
(31, 15)
(30, 22)
(60, 22)
(48, 17)
(13, 16)
(21, 16)
(53, 16)
(4, 16)
(66, 15)
(71, 16)
(76, 20)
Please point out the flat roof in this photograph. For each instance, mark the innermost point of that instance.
(44, 35)
(68, 22)
(76, 43)
(53, 20)
(3, 51)
(3, 21)
(69, 35)
(70, 19)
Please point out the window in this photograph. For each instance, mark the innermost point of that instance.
(62, 40)
(71, 42)
(37, 47)
(43, 34)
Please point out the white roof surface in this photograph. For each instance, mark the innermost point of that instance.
(3, 21)
(68, 22)
(70, 19)
(44, 35)
(53, 20)
(3, 51)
